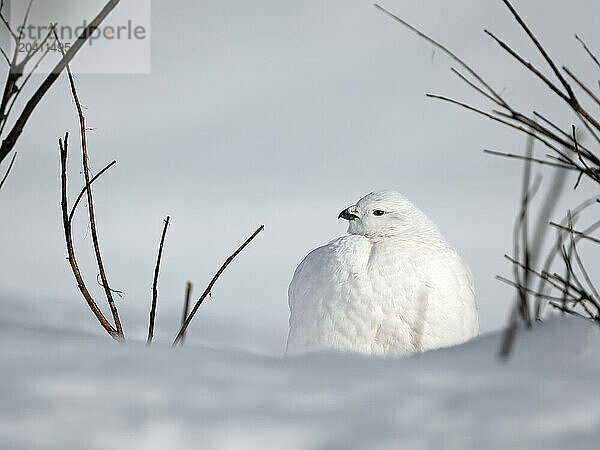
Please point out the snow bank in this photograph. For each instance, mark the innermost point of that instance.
(73, 390)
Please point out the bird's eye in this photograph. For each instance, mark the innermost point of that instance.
(378, 212)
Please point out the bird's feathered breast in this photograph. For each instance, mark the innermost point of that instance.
(379, 296)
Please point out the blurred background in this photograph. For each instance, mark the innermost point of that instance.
(276, 113)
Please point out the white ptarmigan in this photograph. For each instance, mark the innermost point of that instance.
(392, 286)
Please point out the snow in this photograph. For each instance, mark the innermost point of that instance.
(65, 390)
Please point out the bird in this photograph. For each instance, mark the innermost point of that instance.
(392, 286)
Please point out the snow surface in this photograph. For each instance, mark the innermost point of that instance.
(74, 390)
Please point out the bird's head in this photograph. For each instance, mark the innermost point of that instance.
(386, 214)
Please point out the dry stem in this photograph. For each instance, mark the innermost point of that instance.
(186, 308)
(155, 283)
(10, 140)
(88, 187)
(69, 242)
(12, 161)
(211, 284)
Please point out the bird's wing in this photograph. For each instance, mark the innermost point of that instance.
(320, 286)
(422, 297)
(452, 312)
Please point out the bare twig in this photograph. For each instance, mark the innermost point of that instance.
(12, 161)
(528, 158)
(84, 189)
(9, 142)
(574, 255)
(581, 266)
(578, 233)
(587, 50)
(211, 284)
(446, 51)
(69, 243)
(569, 97)
(585, 274)
(86, 173)
(521, 249)
(510, 334)
(564, 309)
(540, 48)
(490, 116)
(528, 65)
(552, 254)
(15, 74)
(15, 70)
(186, 308)
(543, 275)
(551, 124)
(530, 290)
(542, 132)
(155, 283)
(477, 88)
(35, 48)
(22, 30)
(5, 56)
(582, 85)
(6, 24)
(522, 227)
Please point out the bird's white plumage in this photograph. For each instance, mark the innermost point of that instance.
(392, 286)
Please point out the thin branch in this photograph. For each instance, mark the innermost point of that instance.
(586, 89)
(567, 310)
(490, 116)
(510, 334)
(551, 124)
(211, 284)
(590, 54)
(552, 254)
(586, 121)
(587, 169)
(578, 233)
(541, 49)
(8, 27)
(186, 308)
(38, 47)
(522, 225)
(528, 65)
(477, 88)
(5, 56)
(528, 158)
(21, 33)
(521, 244)
(543, 275)
(585, 274)
(69, 243)
(116, 291)
(569, 97)
(496, 98)
(446, 51)
(155, 283)
(573, 248)
(531, 123)
(16, 92)
(530, 290)
(86, 173)
(9, 142)
(84, 189)
(12, 161)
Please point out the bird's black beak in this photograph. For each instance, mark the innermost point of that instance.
(346, 214)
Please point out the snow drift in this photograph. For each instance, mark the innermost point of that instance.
(74, 390)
